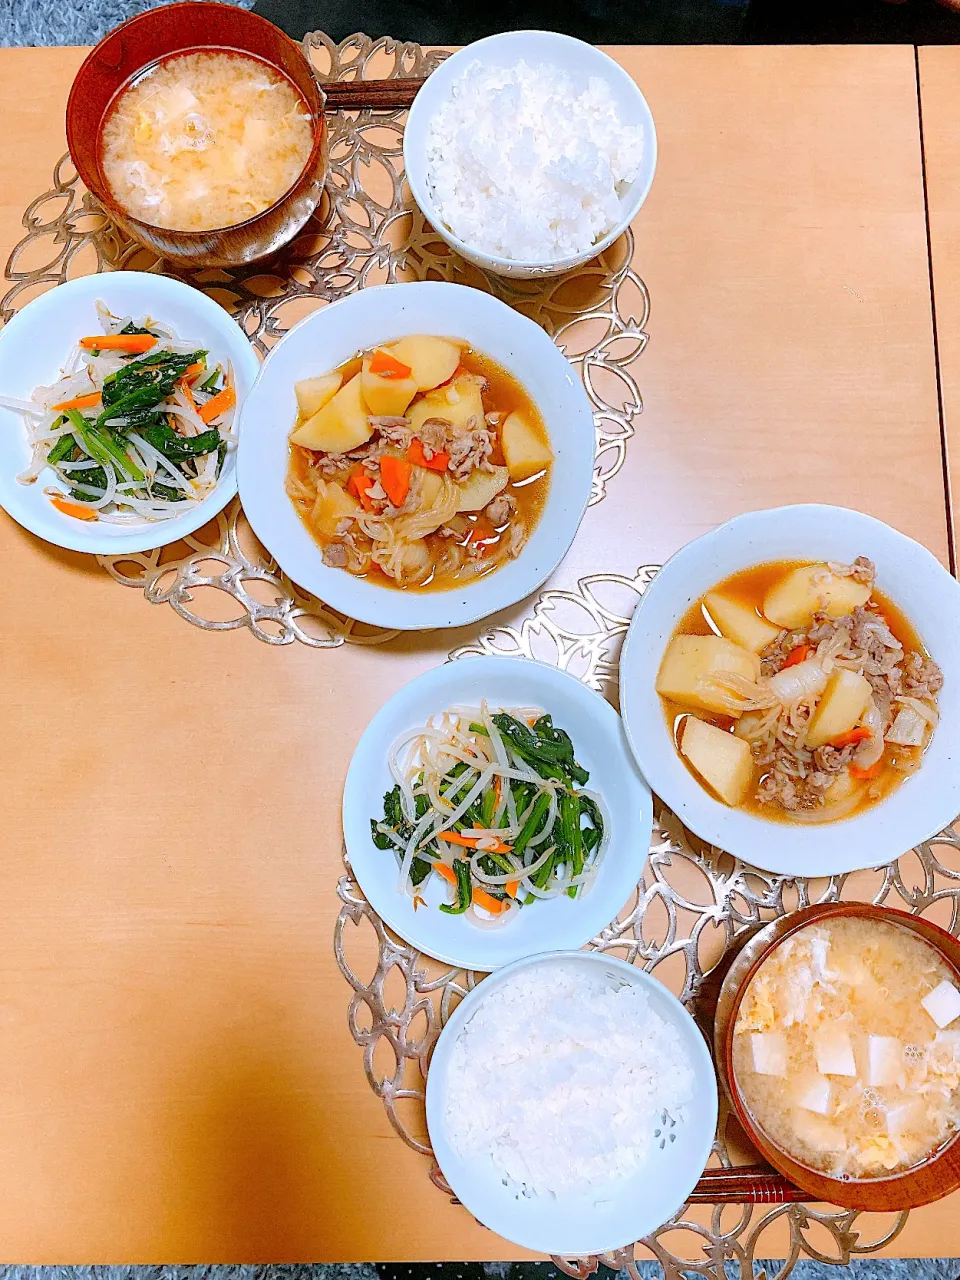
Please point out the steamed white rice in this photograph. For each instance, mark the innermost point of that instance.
(524, 165)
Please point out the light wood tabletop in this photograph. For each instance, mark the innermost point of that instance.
(938, 70)
(177, 1081)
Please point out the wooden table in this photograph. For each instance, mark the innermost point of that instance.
(177, 1082)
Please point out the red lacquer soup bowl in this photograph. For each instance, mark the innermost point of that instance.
(196, 25)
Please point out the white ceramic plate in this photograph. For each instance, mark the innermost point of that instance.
(912, 578)
(327, 338)
(582, 62)
(601, 748)
(34, 345)
(607, 1217)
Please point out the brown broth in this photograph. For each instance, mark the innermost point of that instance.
(748, 587)
(504, 394)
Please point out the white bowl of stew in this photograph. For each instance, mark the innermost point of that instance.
(315, 483)
(857, 761)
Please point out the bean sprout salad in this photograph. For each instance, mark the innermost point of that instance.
(136, 428)
(495, 803)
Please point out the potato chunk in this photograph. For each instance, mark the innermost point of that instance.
(340, 425)
(335, 505)
(691, 660)
(482, 487)
(524, 451)
(724, 762)
(431, 360)
(739, 623)
(843, 702)
(812, 588)
(456, 404)
(386, 397)
(313, 393)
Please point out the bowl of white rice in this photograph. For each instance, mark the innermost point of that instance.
(571, 1103)
(530, 152)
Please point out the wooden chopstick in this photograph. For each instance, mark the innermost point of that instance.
(749, 1184)
(371, 95)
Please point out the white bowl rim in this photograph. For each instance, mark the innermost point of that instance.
(921, 806)
(639, 190)
(146, 535)
(466, 946)
(374, 605)
(701, 1062)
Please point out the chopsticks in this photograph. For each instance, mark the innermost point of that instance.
(749, 1184)
(371, 95)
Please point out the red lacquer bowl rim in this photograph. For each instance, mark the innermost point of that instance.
(903, 1189)
(94, 181)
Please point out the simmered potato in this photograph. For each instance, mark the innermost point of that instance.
(739, 623)
(689, 660)
(340, 425)
(724, 762)
(843, 702)
(456, 404)
(313, 393)
(524, 451)
(335, 505)
(812, 588)
(431, 360)
(482, 487)
(386, 397)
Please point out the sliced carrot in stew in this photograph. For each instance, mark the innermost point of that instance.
(482, 532)
(416, 455)
(395, 478)
(863, 774)
(859, 734)
(384, 365)
(360, 483)
(797, 655)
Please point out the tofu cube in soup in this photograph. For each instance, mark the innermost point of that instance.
(690, 662)
(723, 761)
(739, 623)
(840, 708)
(810, 589)
(431, 360)
(386, 397)
(313, 393)
(523, 450)
(341, 425)
(456, 403)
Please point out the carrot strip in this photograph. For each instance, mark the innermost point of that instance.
(384, 365)
(192, 370)
(512, 887)
(470, 842)
(135, 342)
(850, 737)
(73, 509)
(220, 403)
(797, 655)
(78, 402)
(478, 896)
(395, 477)
(416, 455)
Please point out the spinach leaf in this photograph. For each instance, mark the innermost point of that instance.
(178, 448)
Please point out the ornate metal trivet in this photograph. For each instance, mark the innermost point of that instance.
(691, 905)
(370, 233)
